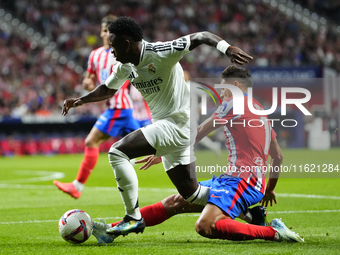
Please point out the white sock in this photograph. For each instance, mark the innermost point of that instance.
(78, 185)
(200, 196)
(127, 182)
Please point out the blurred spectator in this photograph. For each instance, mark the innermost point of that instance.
(33, 83)
(324, 8)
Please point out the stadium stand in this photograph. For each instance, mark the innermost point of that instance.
(34, 83)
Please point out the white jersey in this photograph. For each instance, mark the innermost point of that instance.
(159, 78)
(195, 94)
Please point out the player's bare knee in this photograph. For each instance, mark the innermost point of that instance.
(204, 228)
(89, 142)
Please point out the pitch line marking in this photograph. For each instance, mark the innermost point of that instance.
(307, 196)
(29, 186)
(44, 176)
(180, 215)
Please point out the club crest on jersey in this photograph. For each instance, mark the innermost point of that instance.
(258, 161)
(151, 69)
(103, 75)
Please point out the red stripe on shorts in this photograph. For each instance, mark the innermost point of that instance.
(241, 187)
(116, 115)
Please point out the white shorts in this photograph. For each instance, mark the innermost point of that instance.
(171, 142)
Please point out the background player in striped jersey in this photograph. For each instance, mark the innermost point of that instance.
(141, 111)
(154, 69)
(116, 121)
(233, 192)
(244, 185)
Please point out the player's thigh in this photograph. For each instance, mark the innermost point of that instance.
(232, 195)
(211, 214)
(95, 138)
(180, 167)
(181, 177)
(134, 145)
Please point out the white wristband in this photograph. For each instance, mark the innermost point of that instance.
(222, 46)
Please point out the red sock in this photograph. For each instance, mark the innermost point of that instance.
(89, 161)
(237, 231)
(152, 214)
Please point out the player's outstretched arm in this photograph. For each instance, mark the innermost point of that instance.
(205, 129)
(101, 93)
(274, 173)
(235, 54)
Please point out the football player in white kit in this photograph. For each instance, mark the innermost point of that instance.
(154, 69)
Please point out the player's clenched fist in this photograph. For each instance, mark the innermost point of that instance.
(238, 56)
(89, 83)
(69, 103)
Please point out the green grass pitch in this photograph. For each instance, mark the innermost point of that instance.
(30, 208)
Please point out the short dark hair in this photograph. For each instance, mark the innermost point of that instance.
(126, 26)
(108, 19)
(238, 73)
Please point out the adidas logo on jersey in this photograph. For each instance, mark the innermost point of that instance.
(133, 75)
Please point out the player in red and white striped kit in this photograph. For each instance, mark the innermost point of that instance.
(116, 121)
(141, 111)
(249, 140)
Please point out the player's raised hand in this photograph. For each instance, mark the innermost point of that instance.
(269, 196)
(238, 56)
(149, 161)
(70, 103)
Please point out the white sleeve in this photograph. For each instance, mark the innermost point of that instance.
(119, 75)
(180, 47)
(173, 51)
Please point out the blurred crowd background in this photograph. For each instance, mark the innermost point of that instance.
(34, 82)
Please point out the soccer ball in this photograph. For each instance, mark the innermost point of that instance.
(75, 226)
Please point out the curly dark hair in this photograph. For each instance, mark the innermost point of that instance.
(126, 26)
(238, 73)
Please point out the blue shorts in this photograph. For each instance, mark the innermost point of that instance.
(144, 123)
(117, 122)
(233, 195)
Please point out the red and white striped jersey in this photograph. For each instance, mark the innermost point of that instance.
(100, 63)
(141, 109)
(248, 137)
